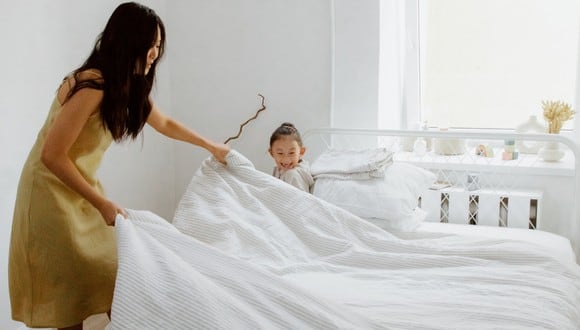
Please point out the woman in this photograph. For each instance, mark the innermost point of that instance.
(62, 261)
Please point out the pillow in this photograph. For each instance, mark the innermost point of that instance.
(411, 223)
(352, 164)
(392, 198)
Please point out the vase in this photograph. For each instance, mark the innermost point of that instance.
(530, 126)
(551, 152)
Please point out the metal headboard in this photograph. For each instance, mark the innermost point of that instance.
(470, 166)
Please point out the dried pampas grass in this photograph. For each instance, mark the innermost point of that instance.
(556, 113)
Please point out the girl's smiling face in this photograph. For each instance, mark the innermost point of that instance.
(286, 153)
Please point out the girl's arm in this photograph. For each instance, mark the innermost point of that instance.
(175, 130)
(64, 131)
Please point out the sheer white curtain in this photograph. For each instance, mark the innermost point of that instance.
(398, 65)
(577, 107)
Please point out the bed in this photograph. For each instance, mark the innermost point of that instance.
(247, 251)
(486, 190)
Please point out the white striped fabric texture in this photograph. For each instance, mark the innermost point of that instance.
(248, 251)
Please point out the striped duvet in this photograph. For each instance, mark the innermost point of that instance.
(248, 251)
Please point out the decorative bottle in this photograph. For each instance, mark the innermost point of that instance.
(425, 127)
(420, 146)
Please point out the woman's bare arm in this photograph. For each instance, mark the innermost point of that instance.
(175, 130)
(61, 136)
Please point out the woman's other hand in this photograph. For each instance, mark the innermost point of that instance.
(109, 211)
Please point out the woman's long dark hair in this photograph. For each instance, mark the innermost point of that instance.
(120, 55)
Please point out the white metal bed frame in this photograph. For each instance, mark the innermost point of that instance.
(552, 194)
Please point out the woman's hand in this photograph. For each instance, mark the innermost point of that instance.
(220, 151)
(109, 211)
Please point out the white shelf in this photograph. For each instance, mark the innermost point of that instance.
(526, 164)
(537, 194)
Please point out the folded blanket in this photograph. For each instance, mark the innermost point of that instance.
(352, 164)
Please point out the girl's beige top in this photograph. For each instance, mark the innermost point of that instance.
(63, 257)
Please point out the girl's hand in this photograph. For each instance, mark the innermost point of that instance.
(109, 211)
(220, 151)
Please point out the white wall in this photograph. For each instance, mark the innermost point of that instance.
(356, 63)
(223, 53)
(220, 54)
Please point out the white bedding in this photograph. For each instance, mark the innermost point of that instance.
(556, 245)
(248, 251)
(352, 164)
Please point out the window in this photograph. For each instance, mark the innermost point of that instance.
(484, 63)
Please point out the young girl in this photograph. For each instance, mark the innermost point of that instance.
(287, 150)
(63, 253)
